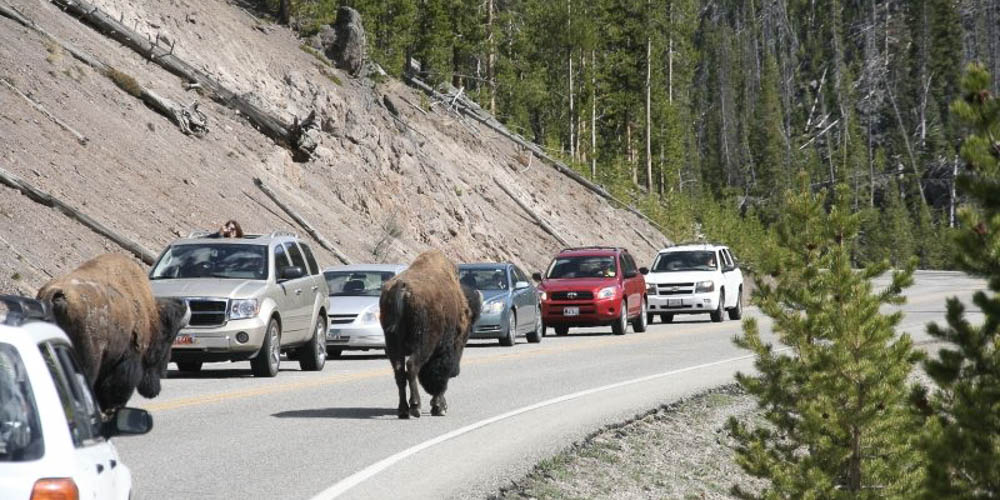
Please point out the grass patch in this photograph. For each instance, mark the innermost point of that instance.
(74, 73)
(316, 54)
(54, 49)
(124, 81)
(16, 276)
(330, 75)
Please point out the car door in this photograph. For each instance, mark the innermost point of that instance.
(732, 276)
(285, 298)
(628, 284)
(302, 293)
(317, 290)
(95, 458)
(523, 299)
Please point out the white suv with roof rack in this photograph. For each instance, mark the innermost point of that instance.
(251, 298)
(695, 279)
(53, 440)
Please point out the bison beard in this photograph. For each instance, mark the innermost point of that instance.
(121, 334)
(426, 317)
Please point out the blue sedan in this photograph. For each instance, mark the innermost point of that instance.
(510, 303)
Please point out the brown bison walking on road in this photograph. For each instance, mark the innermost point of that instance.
(426, 316)
(122, 335)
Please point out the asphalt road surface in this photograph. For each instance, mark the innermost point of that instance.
(334, 434)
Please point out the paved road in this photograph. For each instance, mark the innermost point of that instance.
(224, 434)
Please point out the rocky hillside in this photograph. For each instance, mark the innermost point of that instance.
(379, 188)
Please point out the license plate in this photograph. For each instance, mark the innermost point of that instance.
(571, 311)
(184, 340)
(675, 302)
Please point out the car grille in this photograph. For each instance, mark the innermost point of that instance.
(572, 295)
(675, 289)
(207, 312)
(341, 319)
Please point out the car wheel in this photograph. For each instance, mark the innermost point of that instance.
(189, 366)
(737, 312)
(639, 323)
(312, 356)
(717, 313)
(535, 336)
(621, 325)
(561, 330)
(267, 361)
(334, 353)
(511, 336)
(666, 318)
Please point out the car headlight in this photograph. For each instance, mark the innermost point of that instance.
(651, 288)
(705, 286)
(369, 316)
(542, 295)
(607, 293)
(243, 308)
(493, 307)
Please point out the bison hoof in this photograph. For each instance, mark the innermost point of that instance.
(403, 412)
(439, 411)
(415, 411)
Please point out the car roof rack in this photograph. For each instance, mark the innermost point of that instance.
(21, 309)
(593, 247)
(199, 233)
(276, 234)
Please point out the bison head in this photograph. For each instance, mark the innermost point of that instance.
(173, 315)
(474, 298)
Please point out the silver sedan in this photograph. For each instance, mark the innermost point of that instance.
(353, 306)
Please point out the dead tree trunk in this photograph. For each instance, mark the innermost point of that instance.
(301, 222)
(538, 219)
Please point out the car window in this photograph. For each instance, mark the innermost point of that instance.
(20, 431)
(484, 278)
(727, 258)
(519, 274)
(356, 283)
(227, 261)
(694, 260)
(82, 413)
(280, 258)
(296, 255)
(589, 266)
(729, 255)
(313, 268)
(628, 266)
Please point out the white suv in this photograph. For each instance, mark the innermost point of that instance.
(53, 441)
(693, 279)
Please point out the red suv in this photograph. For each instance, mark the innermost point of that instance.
(593, 286)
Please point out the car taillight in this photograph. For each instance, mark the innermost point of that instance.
(60, 488)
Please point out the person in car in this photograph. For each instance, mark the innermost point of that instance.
(231, 229)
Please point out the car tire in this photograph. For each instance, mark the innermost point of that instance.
(561, 330)
(620, 326)
(535, 336)
(268, 359)
(737, 312)
(333, 353)
(716, 315)
(189, 366)
(312, 356)
(640, 322)
(666, 318)
(511, 337)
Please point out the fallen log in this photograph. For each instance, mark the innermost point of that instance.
(82, 139)
(538, 219)
(48, 200)
(286, 135)
(188, 119)
(302, 222)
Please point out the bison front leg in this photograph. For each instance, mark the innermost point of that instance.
(399, 370)
(411, 373)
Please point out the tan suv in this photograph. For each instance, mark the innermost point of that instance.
(251, 298)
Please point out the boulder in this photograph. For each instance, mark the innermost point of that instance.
(348, 48)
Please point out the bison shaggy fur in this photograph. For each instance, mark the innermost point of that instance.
(122, 335)
(426, 316)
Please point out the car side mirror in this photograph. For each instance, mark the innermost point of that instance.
(644, 270)
(291, 273)
(536, 276)
(521, 285)
(128, 421)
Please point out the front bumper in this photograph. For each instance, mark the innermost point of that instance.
(219, 343)
(683, 304)
(600, 312)
(490, 326)
(352, 336)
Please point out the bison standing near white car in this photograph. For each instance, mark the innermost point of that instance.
(122, 335)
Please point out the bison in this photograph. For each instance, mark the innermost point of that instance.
(122, 335)
(426, 316)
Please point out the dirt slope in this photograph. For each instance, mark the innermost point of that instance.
(145, 179)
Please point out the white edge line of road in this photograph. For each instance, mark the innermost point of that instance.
(363, 475)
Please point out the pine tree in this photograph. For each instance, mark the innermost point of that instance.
(963, 431)
(835, 398)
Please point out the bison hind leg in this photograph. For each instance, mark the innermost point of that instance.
(115, 385)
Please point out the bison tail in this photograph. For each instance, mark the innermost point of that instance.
(443, 365)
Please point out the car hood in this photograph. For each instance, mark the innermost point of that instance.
(680, 277)
(349, 305)
(207, 287)
(555, 285)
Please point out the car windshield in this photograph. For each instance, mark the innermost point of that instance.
(583, 267)
(227, 261)
(357, 283)
(20, 432)
(483, 278)
(700, 260)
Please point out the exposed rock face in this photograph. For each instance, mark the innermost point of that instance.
(348, 48)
